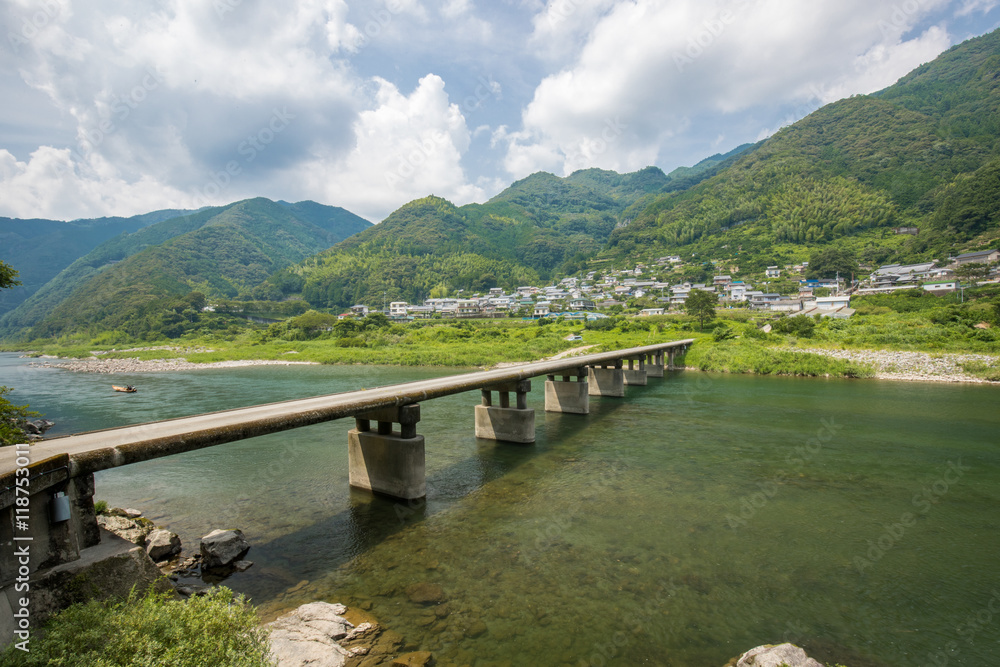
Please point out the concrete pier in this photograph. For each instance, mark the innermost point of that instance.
(654, 365)
(503, 422)
(386, 461)
(567, 395)
(635, 374)
(606, 380)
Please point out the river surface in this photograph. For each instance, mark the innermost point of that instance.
(696, 518)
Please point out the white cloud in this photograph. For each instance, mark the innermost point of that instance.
(972, 6)
(406, 147)
(649, 66)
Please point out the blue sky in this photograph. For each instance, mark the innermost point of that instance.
(121, 108)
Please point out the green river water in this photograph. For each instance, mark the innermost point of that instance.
(696, 518)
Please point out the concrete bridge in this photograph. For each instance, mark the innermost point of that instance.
(47, 489)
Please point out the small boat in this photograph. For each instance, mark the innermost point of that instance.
(128, 389)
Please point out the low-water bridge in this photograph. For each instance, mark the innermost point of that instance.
(38, 482)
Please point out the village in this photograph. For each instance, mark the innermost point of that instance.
(640, 291)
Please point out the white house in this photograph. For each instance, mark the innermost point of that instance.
(833, 302)
(397, 309)
(773, 272)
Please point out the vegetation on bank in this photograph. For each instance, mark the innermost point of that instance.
(730, 340)
(215, 629)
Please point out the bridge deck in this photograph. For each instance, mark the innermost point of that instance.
(100, 450)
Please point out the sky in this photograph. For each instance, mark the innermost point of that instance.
(112, 108)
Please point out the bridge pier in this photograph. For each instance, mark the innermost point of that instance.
(386, 461)
(606, 380)
(503, 422)
(567, 396)
(654, 364)
(635, 374)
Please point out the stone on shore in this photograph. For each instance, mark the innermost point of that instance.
(134, 531)
(307, 636)
(779, 655)
(222, 548)
(162, 544)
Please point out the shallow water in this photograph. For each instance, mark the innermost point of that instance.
(698, 517)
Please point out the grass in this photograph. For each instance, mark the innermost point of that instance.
(154, 631)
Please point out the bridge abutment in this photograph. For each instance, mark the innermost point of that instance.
(385, 461)
(566, 395)
(503, 422)
(606, 380)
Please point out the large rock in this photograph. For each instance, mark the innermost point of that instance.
(162, 544)
(307, 636)
(133, 530)
(425, 593)
(780, 655)
(221, 548)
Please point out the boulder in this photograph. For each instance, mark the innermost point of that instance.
(307, 636)
(221, 548)
(37, 426)
(779, 655)
(425, 593)
(128, 529)
(415, 659)
(162, 544)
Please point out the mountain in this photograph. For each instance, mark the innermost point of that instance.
(923, 152)
(39, 249)
(222, 252)
(540, 225)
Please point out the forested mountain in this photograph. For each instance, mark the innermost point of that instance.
(39, 249)
(922, 153)
(222, 252)
(538, 225)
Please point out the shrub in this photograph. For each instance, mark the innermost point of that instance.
(800, 325)
(216, 629)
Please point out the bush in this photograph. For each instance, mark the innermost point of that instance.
(12, 420)
(153, 631)
(800, 326)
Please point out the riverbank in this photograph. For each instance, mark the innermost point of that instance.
(906, 366)
(137, 365)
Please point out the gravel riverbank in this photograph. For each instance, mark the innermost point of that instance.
(123, 366)
(912, 366)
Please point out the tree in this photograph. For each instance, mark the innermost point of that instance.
(8, 276)
(701, 305)
(12, 417)
(971, 271)
(830, 261)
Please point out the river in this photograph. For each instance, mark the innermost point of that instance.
(699, 517)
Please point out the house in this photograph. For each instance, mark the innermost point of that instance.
(397, 309)
(912, 231)
(581, 304)
(833, 302)
(359, 309)
(467, 308)
(773, 272)
(542, 308)
(647, 312)
(981, 257)
(420, 312)
(722, 280)
(786, 305)
(941, 287)
(737, 290)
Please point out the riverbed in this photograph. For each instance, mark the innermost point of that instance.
(701, 515)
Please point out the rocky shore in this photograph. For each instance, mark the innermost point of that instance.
(135, 365)
(912, 366)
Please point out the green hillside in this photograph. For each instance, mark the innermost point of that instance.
(920, 153)
(539, 226)
(39, 249)
(222, 252)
